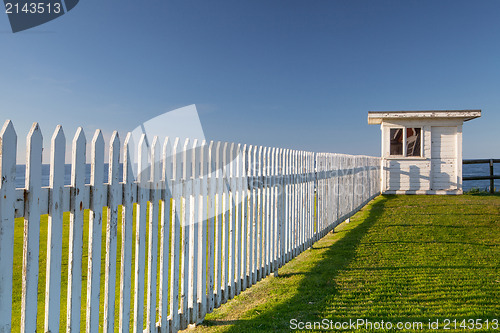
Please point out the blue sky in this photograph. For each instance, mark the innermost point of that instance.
(296, 73)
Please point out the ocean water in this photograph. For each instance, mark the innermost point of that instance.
(468, 170)
(479, 170)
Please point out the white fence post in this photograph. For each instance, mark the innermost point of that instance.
(95, 234)
(8, 152)
(55, 234)
(76, 232)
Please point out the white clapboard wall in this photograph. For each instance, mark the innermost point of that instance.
(210, 219)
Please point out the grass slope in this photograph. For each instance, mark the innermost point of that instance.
(402, 258)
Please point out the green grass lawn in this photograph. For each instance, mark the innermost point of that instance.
(17, 271)
(400, 259)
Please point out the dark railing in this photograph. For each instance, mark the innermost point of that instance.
(491, 177)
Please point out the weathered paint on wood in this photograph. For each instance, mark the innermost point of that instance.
(8, 152)
(55, 233)
(76, 233)
(127, 236)
(95, 234)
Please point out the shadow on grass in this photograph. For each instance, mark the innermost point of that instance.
(316, 287)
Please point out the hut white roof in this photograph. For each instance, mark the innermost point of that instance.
(376, 117)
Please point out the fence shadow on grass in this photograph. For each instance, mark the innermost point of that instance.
(316, 287)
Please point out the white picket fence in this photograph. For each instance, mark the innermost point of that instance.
(226, 215)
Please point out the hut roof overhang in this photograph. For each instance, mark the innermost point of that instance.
(376, 117)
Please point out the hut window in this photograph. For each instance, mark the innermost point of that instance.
(413, 135)
(396, 141)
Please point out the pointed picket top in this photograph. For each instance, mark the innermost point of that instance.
(97, 158)
(250, 160)
(244, 161)
(142, 172)
(8, 148)
(211, 159)
(224, 161)
(78, 158)
(114, 159)
(203, 159)
(79, 139)
(186, 160)
(218, 167)
(176, 160)
(128, 172)
(194, 161)
(237, 160)
(167, 162)
(33, 154)
(155, 161)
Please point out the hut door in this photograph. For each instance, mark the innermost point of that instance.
(443, 157)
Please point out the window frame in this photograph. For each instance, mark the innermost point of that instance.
(405, 133)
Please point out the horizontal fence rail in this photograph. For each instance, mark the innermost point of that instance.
(178, 229)
(491, 177)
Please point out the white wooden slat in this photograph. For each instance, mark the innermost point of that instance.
(293, 218)
(8, 152)
(236, 188)
(226, 222)
(127, 235)
(203, 225)
(111, 233)
(286, 206)
(176, 240)
(231, 221)
(259, 214)
(95, 235)
(76, 233)
(251, 214)
(266, 212)
(212, 167)
(219, 203)
(270, 213)
(140, 235)
(243, 188)
(54, 232)
(165, 224)
(193, 231)
(282, 208)
(277, 211)
(185, 231)
(31, 230)
(155, 171)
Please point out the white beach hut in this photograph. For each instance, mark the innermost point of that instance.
(421, 150)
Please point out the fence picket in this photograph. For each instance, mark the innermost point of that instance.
(127, 236)
(211, 226)
(95, 234)
(153, 235)
(176, 230)
(203, 224)
(54, 233)
(76, 232)
(185, 232)
(193, 231)
(140, 235)
(165, 224)
(219, 204)
(8, 152)
(111, 233)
